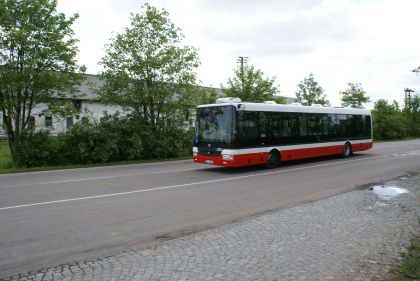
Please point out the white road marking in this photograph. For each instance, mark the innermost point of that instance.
(98, 178)
(196, 183)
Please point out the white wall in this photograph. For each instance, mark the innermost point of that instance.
(93, 110)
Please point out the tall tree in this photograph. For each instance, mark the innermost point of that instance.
(412, 114)
(37, 61)
(148, 71)
(249, 84)
(203, 95)
(354, 96)
(310, 92)
(388, 121)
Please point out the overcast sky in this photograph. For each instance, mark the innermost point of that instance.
(374, 42)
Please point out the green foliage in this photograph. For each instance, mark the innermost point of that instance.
(37, 149)
(249, 85)
(148, 71)
(310, 92)
(37, 61)
(354, 96)
(411, 113)
(388, 121)
(5, 157)
(409, 267)
(279, 99)
(113, 139)
(201, 95)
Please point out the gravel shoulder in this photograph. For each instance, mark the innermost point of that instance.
(352, 236)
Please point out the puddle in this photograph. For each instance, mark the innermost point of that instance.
(387, 192)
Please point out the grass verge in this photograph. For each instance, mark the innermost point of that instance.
(7, 166)
(409, 268)
(5, 157)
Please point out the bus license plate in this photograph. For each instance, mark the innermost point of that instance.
(208, 161)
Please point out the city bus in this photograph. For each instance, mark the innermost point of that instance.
(232, 133)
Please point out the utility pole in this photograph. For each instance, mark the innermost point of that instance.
(416, 70)
(411, 124)
(408, 92)
(242, 60)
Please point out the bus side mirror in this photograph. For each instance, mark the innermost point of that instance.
(241, 115)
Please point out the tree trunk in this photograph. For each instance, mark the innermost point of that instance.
(11, 137)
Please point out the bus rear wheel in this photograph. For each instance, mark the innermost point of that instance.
(347, 150)
(273, 159)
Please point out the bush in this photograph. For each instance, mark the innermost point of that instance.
(38, 149)
(113, 139)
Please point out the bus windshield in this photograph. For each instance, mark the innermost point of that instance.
(215, 124)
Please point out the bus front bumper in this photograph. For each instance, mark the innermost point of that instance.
(215, 160)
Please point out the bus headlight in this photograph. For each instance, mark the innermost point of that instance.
(227, 156)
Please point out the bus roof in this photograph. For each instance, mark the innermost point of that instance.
(249, 106)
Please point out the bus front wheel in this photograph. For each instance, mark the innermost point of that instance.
(347, 150)
(273, 159)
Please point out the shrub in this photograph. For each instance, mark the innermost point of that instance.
(38, 149)
(112, 139)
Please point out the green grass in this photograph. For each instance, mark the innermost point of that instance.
(409, 268)
(5, 157)
(7, 166)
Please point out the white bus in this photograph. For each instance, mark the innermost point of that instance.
(234, 133)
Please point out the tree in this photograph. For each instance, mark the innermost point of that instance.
(310, 92)
(388, 121)
(354, 96)
(411, 112)
(203, 95)
(146, 69)
(249, 85)
(37, 62)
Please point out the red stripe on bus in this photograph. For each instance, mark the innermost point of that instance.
(286, 155)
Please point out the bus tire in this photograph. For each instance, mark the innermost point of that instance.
(347, 150)
(273, 159)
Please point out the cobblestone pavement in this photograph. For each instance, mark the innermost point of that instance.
(352, 236)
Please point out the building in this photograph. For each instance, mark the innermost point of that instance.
(87, 106)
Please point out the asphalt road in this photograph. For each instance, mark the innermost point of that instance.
(48, 218)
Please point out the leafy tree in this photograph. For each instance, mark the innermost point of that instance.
(148, 71)
(279, 99)
(203, 95)
(37, 62)
(388, 121)
(249, 85)
(310, 92)
(412, 114)
(354, 96)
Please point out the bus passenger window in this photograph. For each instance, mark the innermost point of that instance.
(303, 125)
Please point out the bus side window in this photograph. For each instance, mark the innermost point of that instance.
(248, 129)
(341, 126)
(263, 122)
(312, 126)
(303, 132)
(294, 124)
(368, 129)
(332, 126)
(280, 125)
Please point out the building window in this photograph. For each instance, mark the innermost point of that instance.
(69, 122)
(48, 121)
(31, 122)
(77, 105)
